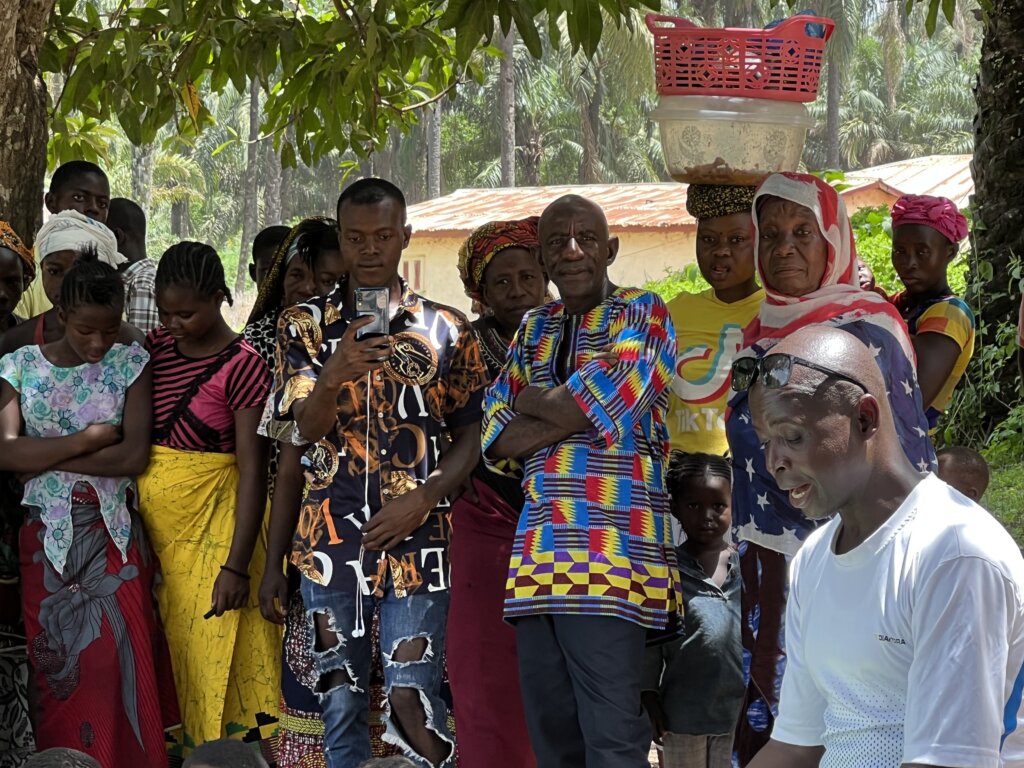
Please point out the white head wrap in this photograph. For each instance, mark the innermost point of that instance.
(73, 231)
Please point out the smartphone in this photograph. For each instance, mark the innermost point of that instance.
(375, 303)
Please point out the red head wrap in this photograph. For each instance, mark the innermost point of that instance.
(940, 214)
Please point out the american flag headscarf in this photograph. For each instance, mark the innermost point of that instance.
(761, 512)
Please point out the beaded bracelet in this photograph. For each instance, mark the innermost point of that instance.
(239, 574)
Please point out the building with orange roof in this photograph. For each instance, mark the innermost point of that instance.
(656, 233)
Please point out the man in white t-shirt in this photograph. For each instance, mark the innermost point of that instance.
(905, 622)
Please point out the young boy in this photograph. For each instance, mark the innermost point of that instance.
(964, 469)
(75, 186)
(693, 689)
(127, 221)
(926, 235)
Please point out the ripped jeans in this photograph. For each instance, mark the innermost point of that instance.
(344, 667)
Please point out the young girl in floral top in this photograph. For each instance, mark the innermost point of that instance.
(75, 419)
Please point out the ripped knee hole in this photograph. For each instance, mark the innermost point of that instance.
(410, 649)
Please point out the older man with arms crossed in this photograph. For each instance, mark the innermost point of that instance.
(905, 625)
(581, 401)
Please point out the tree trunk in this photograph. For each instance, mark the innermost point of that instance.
(834, 89)
(434, 151)
(23, 104)
(590, 169)
(288, 181)
(272, 191)
(181, 223)
(507, 109)
(250, 205)
(532, 152)
(998, 206)
(142, 175)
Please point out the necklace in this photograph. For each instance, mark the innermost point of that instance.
(493, 345)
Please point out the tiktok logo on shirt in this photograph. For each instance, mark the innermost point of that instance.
(702, 381)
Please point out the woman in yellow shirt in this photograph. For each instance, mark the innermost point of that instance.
(709, 325)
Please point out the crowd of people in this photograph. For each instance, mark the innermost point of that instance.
(365, 526)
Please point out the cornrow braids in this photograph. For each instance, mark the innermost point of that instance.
(91, 282)
(685, 467)
(192, 265)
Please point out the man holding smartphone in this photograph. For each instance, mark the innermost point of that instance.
(376, 407)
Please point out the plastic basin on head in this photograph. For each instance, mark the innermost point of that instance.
(728, 140)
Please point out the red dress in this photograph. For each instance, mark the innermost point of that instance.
(97, 650)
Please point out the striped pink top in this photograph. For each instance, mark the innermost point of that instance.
(195, 399)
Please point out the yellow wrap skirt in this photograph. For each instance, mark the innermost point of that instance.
(227, 669)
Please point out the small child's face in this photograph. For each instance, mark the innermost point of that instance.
(53, 267)
(703, 508)
(952, 474)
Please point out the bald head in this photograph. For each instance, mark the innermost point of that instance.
(573, 204)
(837, 350)
(825, 436)
(576, 251)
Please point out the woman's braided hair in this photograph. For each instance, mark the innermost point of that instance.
(192, 265)
(91, 282)
(686, 467)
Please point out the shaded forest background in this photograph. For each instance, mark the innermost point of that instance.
(890, 92)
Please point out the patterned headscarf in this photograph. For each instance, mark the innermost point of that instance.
(9, 239)
(305, 235)
(487, 241)
(709, 201)
(939, 213)
(762, 513)
(73, 231)
(840, 293)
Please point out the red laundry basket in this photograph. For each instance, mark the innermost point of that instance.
(782, 63)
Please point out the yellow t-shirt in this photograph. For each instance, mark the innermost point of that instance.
(709, 333)
(33, 301)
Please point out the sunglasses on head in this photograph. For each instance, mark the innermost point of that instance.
(775, 371)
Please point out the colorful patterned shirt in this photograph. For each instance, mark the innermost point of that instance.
(594, 536)
(386, 440)
(949, 316)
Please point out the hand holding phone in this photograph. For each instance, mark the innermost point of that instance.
(355, 356)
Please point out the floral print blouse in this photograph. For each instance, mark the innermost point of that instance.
(58, 401)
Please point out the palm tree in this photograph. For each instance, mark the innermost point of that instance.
(507, 108)
(847, 15)
(923, 106)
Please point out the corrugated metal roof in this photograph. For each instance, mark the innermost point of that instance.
(627, 206)
(942, 175)
(663, 206)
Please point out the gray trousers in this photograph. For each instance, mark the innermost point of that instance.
(580, 678)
